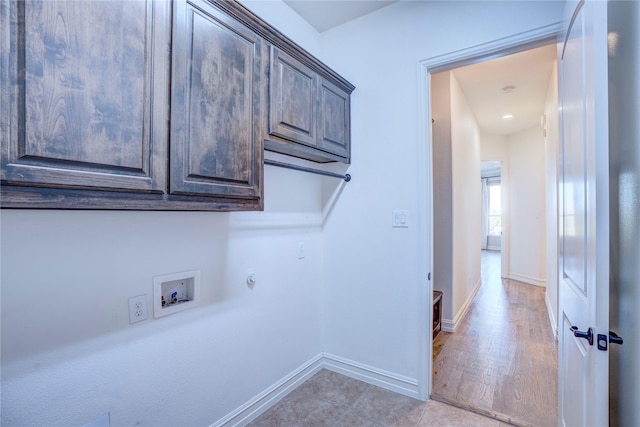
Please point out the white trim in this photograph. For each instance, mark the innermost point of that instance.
(272, 395)
(449, 325)
(492, 50)
(425, 234)
(552, 317)
(528, 279)
(381, 378)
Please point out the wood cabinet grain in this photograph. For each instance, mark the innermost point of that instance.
(219, 75)
(91, 118)
(293, 93)
(334, 121)
(309, 116)
(78, 110)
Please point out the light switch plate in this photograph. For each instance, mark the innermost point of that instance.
(400, 219)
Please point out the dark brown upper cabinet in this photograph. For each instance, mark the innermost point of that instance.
(84, 95)
(334, 120)
(218, 102)
(294, 90)
(155, 105)
(309, 116)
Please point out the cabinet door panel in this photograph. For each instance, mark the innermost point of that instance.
(334, 121)
(293, 94)
(78, 79)
(217, 119)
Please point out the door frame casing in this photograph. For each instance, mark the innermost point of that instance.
(492, 50)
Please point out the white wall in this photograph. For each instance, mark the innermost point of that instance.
(456, 197)
(465, 148)
(527, 158)
(493, 147)
(551, 148)
(527, 207)
(373, 276)
(442, 190)
(69, 354)
(496, 148)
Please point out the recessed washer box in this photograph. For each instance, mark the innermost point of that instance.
(175, 292)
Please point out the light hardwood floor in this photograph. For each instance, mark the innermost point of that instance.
(502, 361)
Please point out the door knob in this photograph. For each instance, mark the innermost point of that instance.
(614, 338)
(586, 335)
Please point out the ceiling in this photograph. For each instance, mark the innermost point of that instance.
(326, 14)
(526, 72)
(482, 83)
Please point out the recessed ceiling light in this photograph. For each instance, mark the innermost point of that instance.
(508, 116)
(508, 89)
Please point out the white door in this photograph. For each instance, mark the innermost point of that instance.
(584, 210)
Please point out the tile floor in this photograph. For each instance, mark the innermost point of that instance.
(332, 399)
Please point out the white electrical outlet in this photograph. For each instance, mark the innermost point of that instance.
(137, 308)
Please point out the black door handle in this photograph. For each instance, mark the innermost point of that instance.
(586, 335)
(614, 338)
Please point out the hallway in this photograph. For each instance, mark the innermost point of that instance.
(502, 361)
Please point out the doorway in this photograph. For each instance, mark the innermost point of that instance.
(502, 48)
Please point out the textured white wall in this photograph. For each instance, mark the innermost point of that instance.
(456, 175)
(493, 147)
(465, 148)
(527, 206)
(69, 353)
(442, 190)
(551, 147)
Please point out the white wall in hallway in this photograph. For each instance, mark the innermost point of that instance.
(493, 147)
(456, 197)
(524, 164)
(465, 148)
(527, 207)
(552, 150)
(442, 190)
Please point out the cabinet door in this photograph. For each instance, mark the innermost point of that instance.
(76, 82)
(293, 94)
(334, 120)
(218, 80)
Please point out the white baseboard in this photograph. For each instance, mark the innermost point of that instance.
(379, 377)
(449, 325)
(528, 280)
(265, 400)
(552, 316)
(272, 395)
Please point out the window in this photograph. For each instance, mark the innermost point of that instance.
(495, 208)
